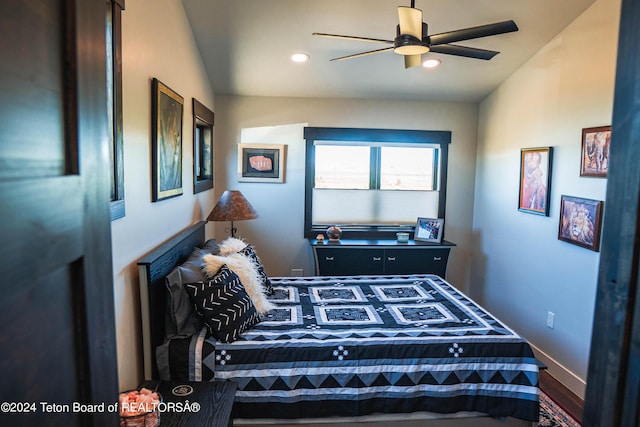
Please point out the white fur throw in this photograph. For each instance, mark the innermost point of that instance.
(231, 245)
(246, 271)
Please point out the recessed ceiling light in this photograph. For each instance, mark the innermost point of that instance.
(299, 57)
(431, 63)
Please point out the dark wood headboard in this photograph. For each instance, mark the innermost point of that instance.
(153, 269)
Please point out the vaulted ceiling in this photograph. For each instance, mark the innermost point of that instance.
(246, 46)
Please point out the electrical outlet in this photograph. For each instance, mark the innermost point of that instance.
(297, 272)
(551, 317)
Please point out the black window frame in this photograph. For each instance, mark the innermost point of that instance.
(312, 134)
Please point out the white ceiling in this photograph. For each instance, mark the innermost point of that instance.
(246, 46)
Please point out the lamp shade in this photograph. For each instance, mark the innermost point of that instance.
(232, 206)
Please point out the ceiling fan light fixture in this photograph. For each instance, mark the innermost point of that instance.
(300, 57)
(431, 63)
(409, 45)
(411, 49)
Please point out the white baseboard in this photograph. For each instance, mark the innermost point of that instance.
(570, 380)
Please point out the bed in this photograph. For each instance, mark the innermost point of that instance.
(349, 349)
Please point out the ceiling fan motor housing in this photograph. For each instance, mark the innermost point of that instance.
(407, 44)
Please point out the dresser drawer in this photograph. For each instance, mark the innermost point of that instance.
(416, 261)
(349, 261)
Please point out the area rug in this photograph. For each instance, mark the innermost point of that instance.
(552, 415)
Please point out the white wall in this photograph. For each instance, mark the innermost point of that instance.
(278, 233)
(520, 269)
(157, 42)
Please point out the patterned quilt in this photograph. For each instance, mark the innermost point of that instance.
(351, 346)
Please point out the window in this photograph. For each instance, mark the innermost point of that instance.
(373, 182)
(387, 166)
(408, 168)
(342, 166)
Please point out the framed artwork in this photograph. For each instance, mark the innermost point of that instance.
(429, 229)
(595, 151)
(580, 222)
(261, 162)
(166, 142)
(114, 103)
(202, 147)
(535, 180)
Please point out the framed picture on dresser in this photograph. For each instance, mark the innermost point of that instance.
(429, 229)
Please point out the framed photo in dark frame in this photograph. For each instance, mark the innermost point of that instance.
(429, 230)
(580, 222)
(166, 142)
(114, 103)
(535, 180)
(594, 159)
(261, 162)
(203, 137)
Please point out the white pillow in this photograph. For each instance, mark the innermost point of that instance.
(246, 271)
(231, 245)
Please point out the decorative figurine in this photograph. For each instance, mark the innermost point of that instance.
(334, 233)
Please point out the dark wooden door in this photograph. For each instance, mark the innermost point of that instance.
(613, 382)
(57, 340)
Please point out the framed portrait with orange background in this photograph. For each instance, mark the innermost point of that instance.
(535, 180)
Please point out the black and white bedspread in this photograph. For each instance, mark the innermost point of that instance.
(351, 346)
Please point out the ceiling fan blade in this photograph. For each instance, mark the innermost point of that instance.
(473, 33)
(364, 39)
(357, 55)
(412, 60)
(410, 21)
(467, 52)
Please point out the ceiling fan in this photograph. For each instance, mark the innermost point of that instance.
(412, 40)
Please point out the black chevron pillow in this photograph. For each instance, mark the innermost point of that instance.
(223, 304)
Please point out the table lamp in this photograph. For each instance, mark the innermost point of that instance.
(232, 206)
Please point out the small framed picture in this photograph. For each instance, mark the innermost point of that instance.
(202, 147)
(429, 229)
(580, 222)
(261, 162)
(595, 151)
(535, 180)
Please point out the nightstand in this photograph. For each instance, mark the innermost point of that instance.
(215, 400)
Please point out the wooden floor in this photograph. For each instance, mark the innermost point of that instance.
(562, 395)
